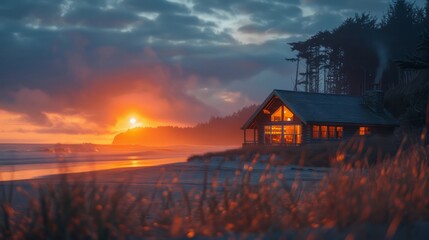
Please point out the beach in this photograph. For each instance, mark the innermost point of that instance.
(142, 170)
(219, 195)
(31, 161)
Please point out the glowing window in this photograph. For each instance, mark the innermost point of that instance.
(298, 134)
(289, 129)
(339, 132)
(316, 131)
(331, 131)
(298, 138)
(298, 129)
(276, 134)
(277, 115)
(364, 131)
(289, 133)
(267, 135)
(292, 134)
(273, 134)
(324, 131)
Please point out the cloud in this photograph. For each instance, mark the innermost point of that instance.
(92, 16)
(28, 10)
(361, 5)
(156, 6)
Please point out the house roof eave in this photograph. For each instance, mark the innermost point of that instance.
(288, 105)
(250, 120)
(262, 106)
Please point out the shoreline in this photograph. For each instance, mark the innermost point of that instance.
(74, 168)
(28, 165)
(187, 174)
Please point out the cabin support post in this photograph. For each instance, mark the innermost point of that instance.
(244, 140)
(254, 136)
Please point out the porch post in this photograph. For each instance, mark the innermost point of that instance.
(254, 135)
(244, 140)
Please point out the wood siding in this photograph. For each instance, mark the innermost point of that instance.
(306, 133)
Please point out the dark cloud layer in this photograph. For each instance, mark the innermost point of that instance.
(99, 59)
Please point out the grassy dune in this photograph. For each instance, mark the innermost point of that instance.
(369, 150)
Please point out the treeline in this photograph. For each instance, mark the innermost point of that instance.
(364, 51)
(217, 131)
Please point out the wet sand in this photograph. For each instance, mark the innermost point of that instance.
(25, 162)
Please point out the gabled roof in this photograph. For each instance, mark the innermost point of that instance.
(328, 108)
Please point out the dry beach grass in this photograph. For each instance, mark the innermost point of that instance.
(358, 199)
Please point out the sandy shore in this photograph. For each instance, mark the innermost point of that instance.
(23, 162)
(176, 175)
(190, 175)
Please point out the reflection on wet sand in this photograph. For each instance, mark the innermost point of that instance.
(28, 161)
(25, 171)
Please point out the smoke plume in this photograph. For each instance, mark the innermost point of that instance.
(383, 57)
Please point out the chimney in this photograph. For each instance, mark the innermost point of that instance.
(374, 99)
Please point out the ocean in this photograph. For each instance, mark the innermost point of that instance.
(28, 161)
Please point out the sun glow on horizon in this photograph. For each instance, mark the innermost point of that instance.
(74, 129)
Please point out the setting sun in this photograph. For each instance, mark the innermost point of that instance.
(133, 121)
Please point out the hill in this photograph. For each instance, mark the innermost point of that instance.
(217, 131)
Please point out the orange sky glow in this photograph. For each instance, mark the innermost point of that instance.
(104, 107)
(14, 129)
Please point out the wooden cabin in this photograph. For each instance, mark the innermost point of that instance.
(295, 118)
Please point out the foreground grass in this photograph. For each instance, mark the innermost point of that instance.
(356, 200)
(322, 154)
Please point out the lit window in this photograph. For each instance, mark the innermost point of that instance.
(298, 134)
(331, 132)
(298, 138)
(287, 114)
(339, 132)
(267, 135)
(324, 131)
(277, 115)
(276, 134)
(298, 129)
(316, 131)
(364, 131)
(292, 134)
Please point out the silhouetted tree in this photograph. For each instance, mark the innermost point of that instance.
(342, 59)
(420, 93)
(362, 51)
(400, 30)
(356, 38)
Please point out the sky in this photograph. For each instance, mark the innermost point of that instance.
(76, 71)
